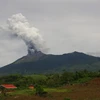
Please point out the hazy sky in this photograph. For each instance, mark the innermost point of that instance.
(66, 26)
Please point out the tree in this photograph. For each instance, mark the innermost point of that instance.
(39, 90)
(66, 78)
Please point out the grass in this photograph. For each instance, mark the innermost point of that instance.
(32, 92)
(2, 97)
(24, 91)
(56, 90)
(38, 77)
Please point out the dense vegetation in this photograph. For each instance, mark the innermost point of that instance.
(77, 85)
(49, 80)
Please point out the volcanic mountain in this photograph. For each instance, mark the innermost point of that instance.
(38, 62)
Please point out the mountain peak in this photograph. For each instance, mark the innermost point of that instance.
(76, 52)
(35, 53)
(30, 57)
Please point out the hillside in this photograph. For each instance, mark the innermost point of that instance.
(47, 63)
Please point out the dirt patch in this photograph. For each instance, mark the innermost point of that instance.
(26, 97)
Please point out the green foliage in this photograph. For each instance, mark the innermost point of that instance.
(2, 97)
(66, 78)
(53, 80)
(49, 80)
(82, 80)
(66, 98)
(40, 91)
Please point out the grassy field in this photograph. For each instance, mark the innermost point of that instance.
(37, 76)
(83, 91)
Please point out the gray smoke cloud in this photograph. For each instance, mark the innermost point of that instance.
(19, 26)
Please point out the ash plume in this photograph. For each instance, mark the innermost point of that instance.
(19, 26)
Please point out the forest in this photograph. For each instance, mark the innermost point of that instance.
(49, 80)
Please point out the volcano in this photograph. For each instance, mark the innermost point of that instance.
(38, 62)
(31, 57)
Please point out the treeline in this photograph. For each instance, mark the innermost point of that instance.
(49, 80)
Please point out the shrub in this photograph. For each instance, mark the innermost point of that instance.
(66, 98)
(40, 91)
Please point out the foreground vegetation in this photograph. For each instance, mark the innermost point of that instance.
(65, 86)
(49, 80)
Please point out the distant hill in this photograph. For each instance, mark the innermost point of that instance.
(48, 63)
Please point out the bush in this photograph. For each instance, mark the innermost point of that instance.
(40, 91)
(66, 98)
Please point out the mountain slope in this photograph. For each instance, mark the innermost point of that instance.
(42, 63)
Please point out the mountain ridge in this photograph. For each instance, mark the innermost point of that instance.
(47, 63)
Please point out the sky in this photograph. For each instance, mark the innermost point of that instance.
(65, 25)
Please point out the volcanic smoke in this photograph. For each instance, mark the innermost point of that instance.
(19, 26)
